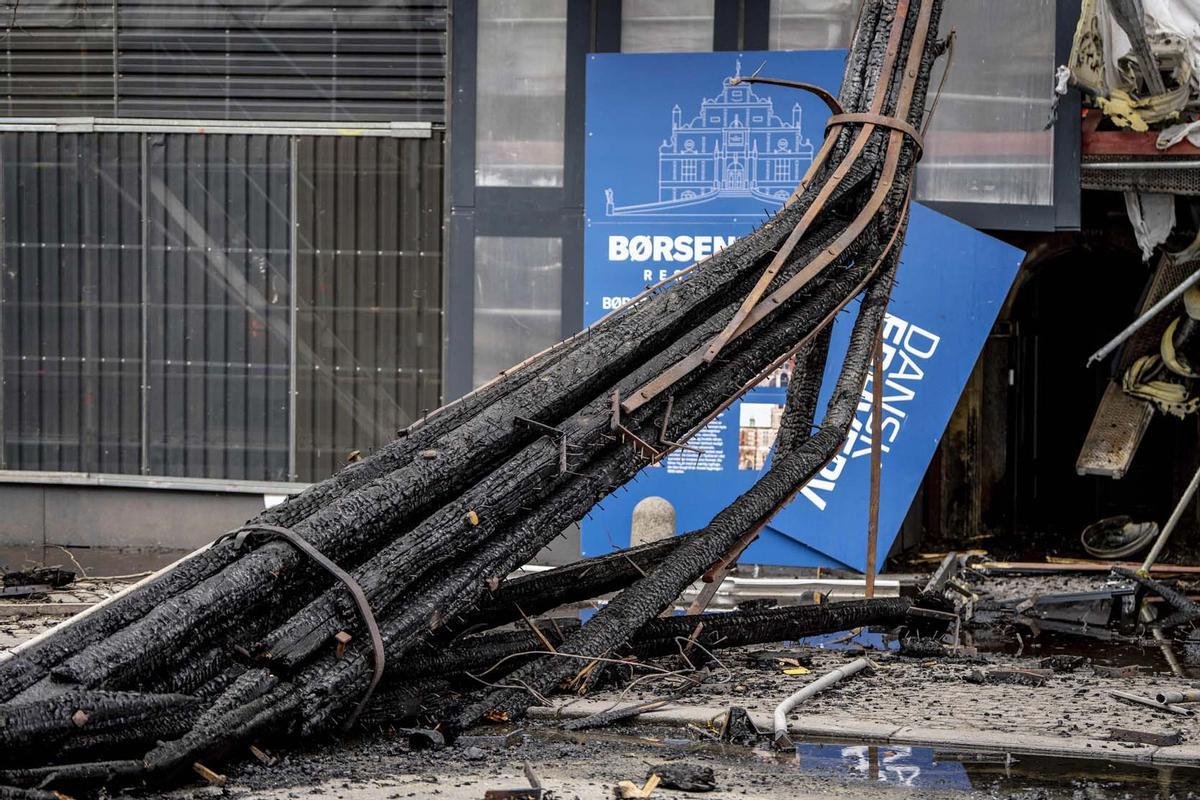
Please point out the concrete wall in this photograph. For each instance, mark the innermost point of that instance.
(35, 515)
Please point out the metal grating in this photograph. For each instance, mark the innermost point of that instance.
(1116, 431)
(1109, 175)
(146, 301)
(70, 318)
(369, 282)
(364, 60)
(218, 298)
(58, 59)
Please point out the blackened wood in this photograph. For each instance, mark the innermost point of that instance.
(365, 516)
(665, 635)
(540, 592)
(500, 496)
(328, 686)
(86, 774)
(805, 386)
(636, 605)
(29, 666)
(29, 727)
(17, 793)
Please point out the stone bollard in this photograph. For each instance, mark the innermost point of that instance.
(653, 520)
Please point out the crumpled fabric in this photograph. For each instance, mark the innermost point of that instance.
(1100, 43)
(1178, 17)
(1173, 135)
(1153, 218)
(1062, 80)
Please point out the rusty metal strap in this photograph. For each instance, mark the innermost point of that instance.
(753, 309)
(262, 531)
(883, 121)
(818, 204)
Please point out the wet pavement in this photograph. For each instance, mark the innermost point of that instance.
(588, 765)
(940, 693)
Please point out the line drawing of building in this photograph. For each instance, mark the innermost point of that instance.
(735, 147)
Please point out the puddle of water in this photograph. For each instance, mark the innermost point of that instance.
(926, 768)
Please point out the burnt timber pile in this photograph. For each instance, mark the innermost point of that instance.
(369, 580)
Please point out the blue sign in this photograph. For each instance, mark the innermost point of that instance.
(680, 161)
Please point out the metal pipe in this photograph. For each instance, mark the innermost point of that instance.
(1164, 644)
(876, 459)
(1176, 515)
(782, 740)
(1186, 696)
(1151, 703)
(1146, 316)
(1147, 165)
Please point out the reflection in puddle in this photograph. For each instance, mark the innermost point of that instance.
(921, 768)
(926, 768)
(895, 764)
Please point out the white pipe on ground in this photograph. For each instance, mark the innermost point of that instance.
(782, 740)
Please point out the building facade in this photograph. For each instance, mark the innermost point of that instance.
(222, 246)
(735, 146)
(241, 243)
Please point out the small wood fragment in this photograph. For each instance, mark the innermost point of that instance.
(342, 638)
(629, 789)
(211, 777)
(265, 758)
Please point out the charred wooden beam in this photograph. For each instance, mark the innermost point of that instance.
(540, 592)
(428, 526)
(667, 635)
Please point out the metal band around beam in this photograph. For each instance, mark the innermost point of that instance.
(883, 121)
(834, 104)
(262, 531)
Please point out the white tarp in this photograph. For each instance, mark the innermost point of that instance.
(1153, 218)
(1178, 17)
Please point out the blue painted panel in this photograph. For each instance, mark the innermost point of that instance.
(680, 161)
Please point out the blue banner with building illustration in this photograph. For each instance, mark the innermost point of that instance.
(681, 159)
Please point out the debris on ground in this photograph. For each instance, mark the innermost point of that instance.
(628, 789)
(35, 581)
(685, 777)
(737, 727)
